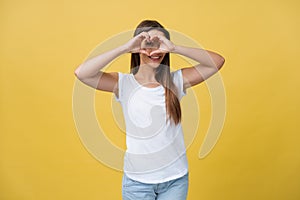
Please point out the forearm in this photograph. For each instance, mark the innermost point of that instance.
(92, 66)
(205, 57)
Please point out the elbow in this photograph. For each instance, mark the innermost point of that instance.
(220, 62)
(77, 74)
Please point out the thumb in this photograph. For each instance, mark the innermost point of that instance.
(158, 51)
(144, 52)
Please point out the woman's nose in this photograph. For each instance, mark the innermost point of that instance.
(150, 45)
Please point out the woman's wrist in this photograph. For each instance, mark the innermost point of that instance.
(124, 49)
(175, 49)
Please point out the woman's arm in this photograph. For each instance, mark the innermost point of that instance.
(89, 71)
(210, 63)
(90, 74)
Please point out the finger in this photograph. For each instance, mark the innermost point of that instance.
(145, 35)
(134, 51)
(158, 52)
(144, 52)
(159, 40)
(154, 38)
(160, 37)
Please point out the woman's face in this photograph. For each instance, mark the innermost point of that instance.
(155, 59)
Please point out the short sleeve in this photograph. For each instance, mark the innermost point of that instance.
(178, 81)
(120, 90)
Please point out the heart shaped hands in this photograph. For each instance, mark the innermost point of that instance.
(165, 45)
(150, 45)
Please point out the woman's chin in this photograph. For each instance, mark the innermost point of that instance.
(154, 65)
(151, 64)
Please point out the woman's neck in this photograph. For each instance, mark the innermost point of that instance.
(146, 76)
(146, 73)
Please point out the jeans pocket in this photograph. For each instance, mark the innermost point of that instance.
(128, 182)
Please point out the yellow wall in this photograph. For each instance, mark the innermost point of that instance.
(42, 42)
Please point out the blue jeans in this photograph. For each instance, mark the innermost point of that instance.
(171, 190)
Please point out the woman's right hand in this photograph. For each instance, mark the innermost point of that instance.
(134, 45)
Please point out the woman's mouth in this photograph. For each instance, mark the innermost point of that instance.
(155, 58)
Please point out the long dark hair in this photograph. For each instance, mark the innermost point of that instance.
(162, 74)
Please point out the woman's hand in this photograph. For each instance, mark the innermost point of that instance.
(165, 45)
(134, 45)
(143, 41)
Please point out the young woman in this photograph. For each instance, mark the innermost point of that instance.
(155, 164)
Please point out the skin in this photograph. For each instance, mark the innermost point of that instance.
(90, 72)
(150, 58)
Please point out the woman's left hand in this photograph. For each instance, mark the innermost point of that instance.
(166, 46)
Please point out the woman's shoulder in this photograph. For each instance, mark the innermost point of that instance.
(124, 76)
(176, 73)
(123, 73)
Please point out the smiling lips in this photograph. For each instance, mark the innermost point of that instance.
(155, 58)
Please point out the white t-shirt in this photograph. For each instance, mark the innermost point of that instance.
(155, 148)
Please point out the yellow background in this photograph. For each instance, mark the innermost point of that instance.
(42, 42)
